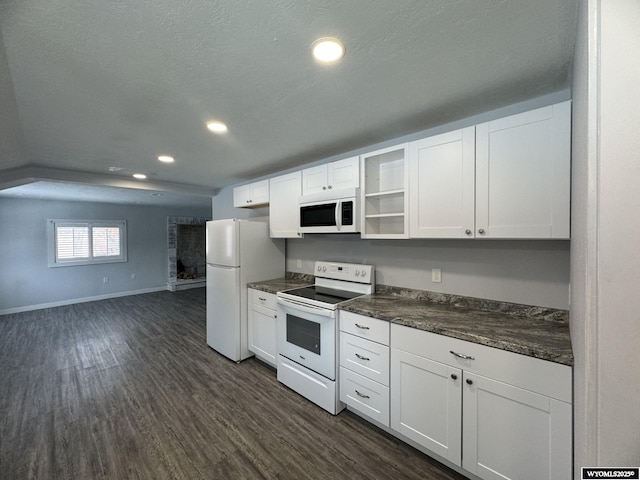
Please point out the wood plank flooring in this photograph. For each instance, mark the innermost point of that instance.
(127, 388)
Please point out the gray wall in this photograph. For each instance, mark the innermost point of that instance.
(531, 272)
(27, 281)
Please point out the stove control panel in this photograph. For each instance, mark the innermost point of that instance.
(350, 272)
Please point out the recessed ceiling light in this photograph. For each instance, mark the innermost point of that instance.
(156, 194)
(327, 50)
(166, 159)
(217, 127)
(139, 176)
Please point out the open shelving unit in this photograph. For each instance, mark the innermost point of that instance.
(384, 201)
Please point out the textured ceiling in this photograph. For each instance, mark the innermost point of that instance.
(94, 84)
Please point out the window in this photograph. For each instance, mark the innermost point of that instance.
(82, 242)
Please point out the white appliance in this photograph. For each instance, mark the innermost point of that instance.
(331, 211)
(307, 330)
(238, 252)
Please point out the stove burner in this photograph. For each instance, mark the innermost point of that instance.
(327, 295)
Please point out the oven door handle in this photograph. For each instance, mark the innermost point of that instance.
(305, 308)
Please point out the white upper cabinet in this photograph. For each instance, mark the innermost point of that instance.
(509, 178)
(331, 176)
(442, 185)
(523, 165)
(254, 194)
(384, 197)
(284, 212)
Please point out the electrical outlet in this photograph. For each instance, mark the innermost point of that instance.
(105, 279)
(299, 263)
(133, 275)
(436, 275)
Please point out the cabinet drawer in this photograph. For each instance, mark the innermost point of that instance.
(541, 376)
(365, 357)
(365, 327)
(264, 299)
(364, 395)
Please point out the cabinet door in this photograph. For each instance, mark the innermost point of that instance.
(512, 433)
(442, 181)
(314, 179)
(251, 195)
(284, 212)
(262, 333)
(523, 175)
(426, 403)
(241, 196)
(260, 192)
(344, 174)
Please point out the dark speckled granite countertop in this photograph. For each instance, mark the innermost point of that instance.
(291, 280)
(533, 331)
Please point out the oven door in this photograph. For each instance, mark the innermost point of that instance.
(307, 335)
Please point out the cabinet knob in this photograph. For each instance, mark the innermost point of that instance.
(454, 376)
(481, 231)
(329, 187)
(467, 231)
(469, 381)
(324, 188)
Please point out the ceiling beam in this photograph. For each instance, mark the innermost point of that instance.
(25, 175)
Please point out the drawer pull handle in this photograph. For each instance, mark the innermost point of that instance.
(461, 355)
(363, 327)
(362, 395)
(262, 299)
(362, 358)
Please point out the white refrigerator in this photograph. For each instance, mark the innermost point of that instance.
(238, 252)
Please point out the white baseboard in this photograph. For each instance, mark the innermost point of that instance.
(71, 301)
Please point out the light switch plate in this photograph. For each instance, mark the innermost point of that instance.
(436, 275)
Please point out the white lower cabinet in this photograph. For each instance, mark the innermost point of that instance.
(262, 315)
(510, 432)
(364, 366)
(426, 403)
(496, 414)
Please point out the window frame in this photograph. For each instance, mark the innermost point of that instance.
(53, 224)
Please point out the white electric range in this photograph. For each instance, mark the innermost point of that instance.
(307, 330)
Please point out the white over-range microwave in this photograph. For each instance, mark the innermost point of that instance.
(330, 212)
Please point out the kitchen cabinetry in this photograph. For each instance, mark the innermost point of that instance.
(251, 195)
(262, 315)
(364, 366)
(495, 413)
(384, 198)
(284, 212)
(336, 175)
(521, 187)
(443, 185)
(523, 165)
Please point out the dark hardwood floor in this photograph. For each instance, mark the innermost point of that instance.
(127, 388)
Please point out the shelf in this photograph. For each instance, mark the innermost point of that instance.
(385, 215)
(384, 196)
(385, 193)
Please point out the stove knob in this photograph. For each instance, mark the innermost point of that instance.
(364, 273)
(324, 269)
(357, 273)
(319, 268)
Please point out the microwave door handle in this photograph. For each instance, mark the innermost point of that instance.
(338, 214)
